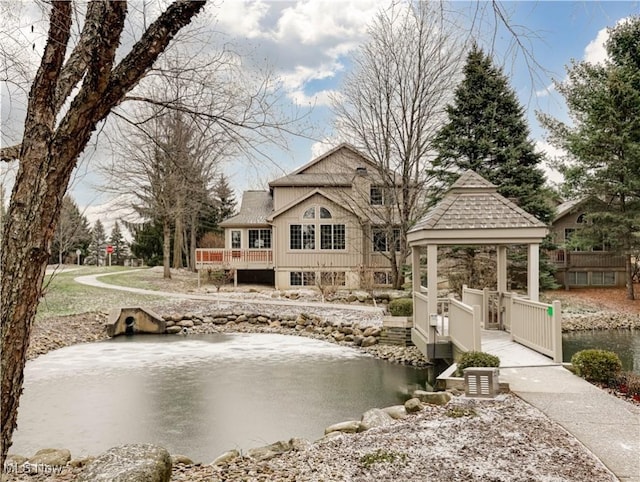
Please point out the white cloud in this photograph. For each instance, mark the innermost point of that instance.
(553, 154)
(595, 51)
(242, 18)
(546, 91)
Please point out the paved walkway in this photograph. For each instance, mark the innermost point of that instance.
(607, 426)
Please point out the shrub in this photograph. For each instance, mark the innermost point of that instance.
(401, 307)
(597, 365)
(628, 383)
(477, 359)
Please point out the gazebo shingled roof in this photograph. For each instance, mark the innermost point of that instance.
(472, 202)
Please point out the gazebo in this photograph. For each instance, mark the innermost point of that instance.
(471, 213)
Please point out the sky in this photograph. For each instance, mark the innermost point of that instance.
(309, 44)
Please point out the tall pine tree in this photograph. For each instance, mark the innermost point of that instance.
(96, 251)
(487, 132)
(120, 247)
(223, 199)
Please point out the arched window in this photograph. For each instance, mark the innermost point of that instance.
(582, 218)
(325, 213)
(309, 213)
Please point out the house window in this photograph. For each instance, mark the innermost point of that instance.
(260, 238)
(302, 236)
(603, 278)
(376, 196)
(302, 278)
(578, 278)
(309, 214)
(236, 239)
(333, 278)
(382, 277)
(325, 213)
(381, 241)
(332, 236)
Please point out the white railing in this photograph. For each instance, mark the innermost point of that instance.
(537, 325)
(464, 325)
(421, 314)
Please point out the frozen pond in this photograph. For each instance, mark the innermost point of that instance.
(201, 395)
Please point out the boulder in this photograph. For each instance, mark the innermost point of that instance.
(172, 330)
(81, 461)
(130, 463)
(350, 426)
(337, 336)
(56, 457)
(374, 418)
(13, 459)
(413, 405)
(372, 331)
(241, 319)
(299, 444)
(181, 459)
(432, 398)
(185, 323)
(357, 340)
(226, 457)
(269, 451)
(397, 412)
(369, 341)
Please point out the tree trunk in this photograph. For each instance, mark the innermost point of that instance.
(628, 265)
(166, 248)
(192, 247)
(178, 240)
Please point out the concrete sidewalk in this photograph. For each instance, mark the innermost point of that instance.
(607, 426)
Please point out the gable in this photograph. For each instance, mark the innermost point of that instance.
(337, 167)
(315, 197)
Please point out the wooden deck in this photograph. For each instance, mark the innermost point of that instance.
(512, 354)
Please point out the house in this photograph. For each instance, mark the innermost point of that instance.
(322, 223)
(579, 266)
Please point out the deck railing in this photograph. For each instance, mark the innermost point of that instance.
(587, 259)
(537, 325)
(230, 258)
(464, 326)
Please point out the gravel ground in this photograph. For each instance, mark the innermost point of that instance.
(501, 440)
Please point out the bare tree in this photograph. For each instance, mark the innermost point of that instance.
(390, 107)
(73, 90)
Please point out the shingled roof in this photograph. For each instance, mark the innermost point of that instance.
(255, 208)
(472, 202)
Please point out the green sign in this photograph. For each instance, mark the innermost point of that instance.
(550, 311)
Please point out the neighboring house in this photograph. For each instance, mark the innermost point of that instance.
(579, 266)
(320, 224)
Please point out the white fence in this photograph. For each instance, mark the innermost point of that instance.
(464, 328)
(538, 326)
(531, 323)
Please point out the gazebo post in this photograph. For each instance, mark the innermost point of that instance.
(501, 268)
(533, 288)
(432, 285)
(416, 282)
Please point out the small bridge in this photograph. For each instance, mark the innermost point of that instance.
(490, 321)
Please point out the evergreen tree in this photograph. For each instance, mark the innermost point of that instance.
(223, 199)
(147, 242)
(603, 142)
(96, 251)
(120, 247)
(487, 133)
(72, 232)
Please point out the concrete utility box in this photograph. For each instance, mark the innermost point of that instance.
(481, 382)
(129, 321)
